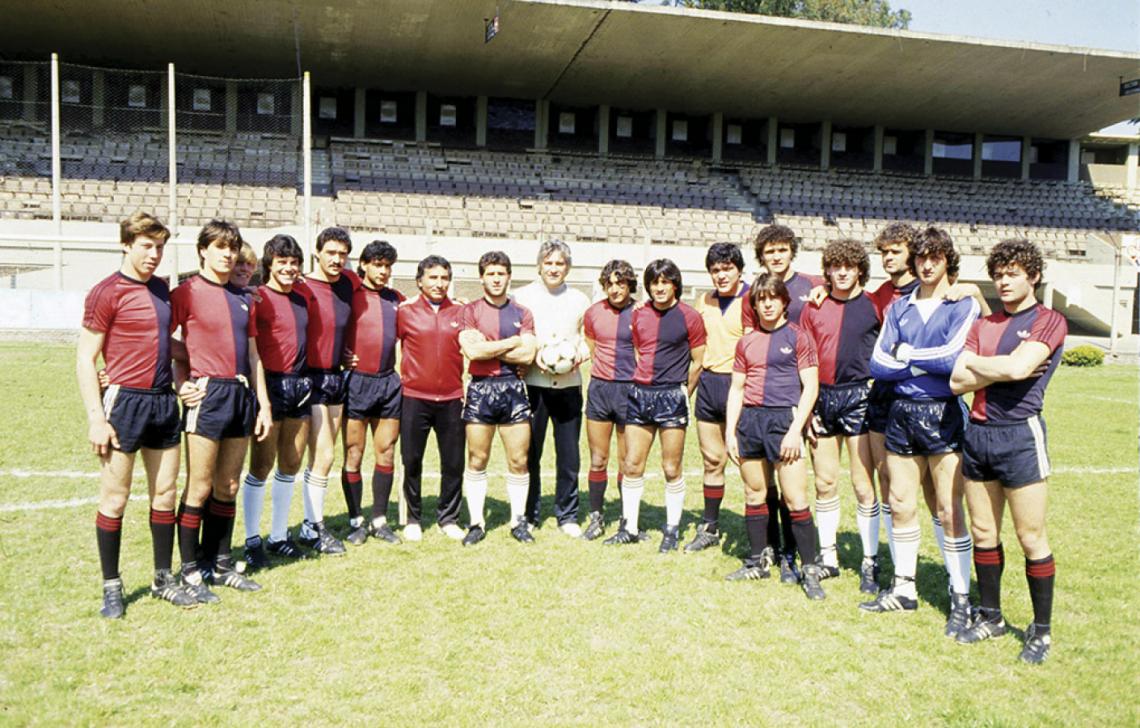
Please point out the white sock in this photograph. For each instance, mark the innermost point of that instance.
(475, 492)
(631, 489)
(939, 535)
(282, 500)
(827, 523)
(889, 525)
(305, 496)
(517, 487)
(958, 557)
(674, 501)
(317, 488)
(867, 520)
(252, 503)
(906, 549)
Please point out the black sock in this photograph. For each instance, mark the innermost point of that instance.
(786, 525)
(772, 501)
(109, 538)
(217, 529)
(353, 486)
(756, 523)
(714, 494)
(597, 481)
(189, 524)
(162, 538)
(1040, 574)
(227, 510)
(381, 490)
(989, 563)
(804, 528)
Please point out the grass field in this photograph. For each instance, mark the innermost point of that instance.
(563, 632)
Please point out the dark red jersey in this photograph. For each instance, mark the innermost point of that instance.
(611, 330)
(282, 321)
(496, 323)
(887, 293)
(999, 334)
(134, 318)
(217, 323)
(771, 364)
(844, 334)
(372, 328)
(330, 307)
(432, 365)
(799, 287)
(664, 341)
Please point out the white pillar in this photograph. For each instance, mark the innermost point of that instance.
(172, 167)
(604, 129)
(825, 144)
(1131, 165)
(773, 140)
(358, 101)
(56, 176)
(1026, 153)
(421, 116)
(1074, 169)
(718, 137)
(979, 140)
(307, 162)
(662, 123)
(481, 121)
(880, 132)
(928, 153)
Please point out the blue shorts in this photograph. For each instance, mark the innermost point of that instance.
(879, 406)
(842, 409)
(1013, 453)
(328, 386)
(760, 431)
(925, 426)
(607, 401)
(712, 396)
(658, 405)
(374, 396)
(227, 411)
(143, 417)
(496, 401)
(288, 395)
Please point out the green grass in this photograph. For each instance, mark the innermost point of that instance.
(563, 632)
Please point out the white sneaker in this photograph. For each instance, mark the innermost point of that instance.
(453, 531)
(573, 530)
(413, 532)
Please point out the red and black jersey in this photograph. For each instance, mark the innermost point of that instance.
(887, 293)
(330, 307)
(217, 323)
(372, 328)
(844, 334)
(432, 365)
(496, 323)
(664, 341)
(771, 362)
(799, 288)
(282, 322)
(999, 334)
(611, 330)
(134, 318)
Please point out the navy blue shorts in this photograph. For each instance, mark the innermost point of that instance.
(712, 397)
(374, 396)
(925, 426)
(842, 409)
(607, 401)
(496, 401)
(143, 417)
(760, 431)
(658, 405)
(1013, 453)
(288, 395)
(879, 406)
(328, 386)
(227, 411)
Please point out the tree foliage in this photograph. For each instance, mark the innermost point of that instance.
(875, 13)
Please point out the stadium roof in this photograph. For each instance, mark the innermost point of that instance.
(594, 51)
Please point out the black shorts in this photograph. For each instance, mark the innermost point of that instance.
(374, 396)
(658, 405)
(288, 395)
(328, 386)
(842, 409)
(879, 406)
(925, 426)
(1013, 453)
(227, 411)
(496, 401)
(143, 417)
(760, 431)
(607, 401)
(712, 397)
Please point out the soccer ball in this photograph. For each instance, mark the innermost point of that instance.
(557, 354)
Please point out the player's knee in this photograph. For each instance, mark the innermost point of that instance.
(113, 504)
(824, 489)
(984, 534)
(477, 462)
(599, 461)
(517, 464)
(288, 462)
(672, 471)
(1032, 539)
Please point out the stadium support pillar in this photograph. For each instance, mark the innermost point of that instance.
(1131, 165)
(480, 121)
(718, 137)
(662, 130)
(98, 98)
(231, 107)
(979, 141)
(880, 132)
(825, 144)
(172, 167)
(928, 153)
(1026, 152)
(604, 129)
(421, 116)
(541, 111)
(358, 113)
(773, 140)
(56, 177)
(31, 92)
(1047, 295)
(307, 166)
(1074, 170)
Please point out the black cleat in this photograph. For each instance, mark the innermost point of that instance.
(959, 619)
(623, 536)
(286, 548)
(768, 557)
(195, 586)
(225, 574)
(475, 534)
(521, 531)
(869, 576)
(113, 606)
(167, 588)
(596, 528)
(751, 570)
(810, 582)
(888, 601)
(983, 628)
(670, 535)
(357, 535)
(321, 541)
(826, 571)
(789, 574)
(707, 536)
(383, 532)
(1036, 649)
(255, 556)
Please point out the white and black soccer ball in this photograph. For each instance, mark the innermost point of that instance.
(557, 354)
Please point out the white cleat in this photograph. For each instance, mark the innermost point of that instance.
(573, 530)
(452, 531)
(413, 532)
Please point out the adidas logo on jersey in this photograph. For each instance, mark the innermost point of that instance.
(785, 350)
(1023, 334)
(455, 324)
(518, 324)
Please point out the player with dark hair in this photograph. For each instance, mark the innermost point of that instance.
(498, 339)
(375, 395)
(126, 320)
(669, 338)
(1008, 361)
(608, 325)
(774, 385)
(225, 402)
(432, 371)
(722, 311)
(282, 316)
(921, 338)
